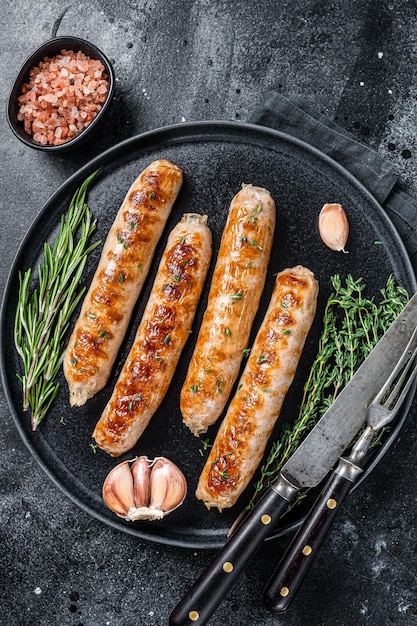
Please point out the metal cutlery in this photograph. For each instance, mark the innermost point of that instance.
(300, 554)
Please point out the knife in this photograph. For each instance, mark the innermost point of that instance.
(302, 550)
(306, 468)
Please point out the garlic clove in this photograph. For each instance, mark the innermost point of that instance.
(141, 472)
(160, 484)
(118, 489)
(334, 227)
(168, 485)
(144, 489)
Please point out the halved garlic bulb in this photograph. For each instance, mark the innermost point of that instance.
(144, 489)
(334, 226)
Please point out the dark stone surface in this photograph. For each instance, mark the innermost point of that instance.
(182, 61)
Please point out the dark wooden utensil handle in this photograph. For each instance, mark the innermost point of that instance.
(300, 554)
(203, 598)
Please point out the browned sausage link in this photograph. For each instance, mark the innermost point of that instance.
(235, 291)
(160, 338)
(244, 432)
(118, 280)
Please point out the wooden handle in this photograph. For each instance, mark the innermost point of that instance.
(300, 554)
(203, 598)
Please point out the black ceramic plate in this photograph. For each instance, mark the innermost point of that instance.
(216, 158)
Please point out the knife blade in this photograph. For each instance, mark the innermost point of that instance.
(307, 467)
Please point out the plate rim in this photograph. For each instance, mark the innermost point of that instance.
(192, 128)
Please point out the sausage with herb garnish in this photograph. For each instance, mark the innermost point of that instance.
(118, 280)
(236, 287)
(251, 416)
(160, 338)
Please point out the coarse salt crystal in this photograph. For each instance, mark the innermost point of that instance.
(50, 97)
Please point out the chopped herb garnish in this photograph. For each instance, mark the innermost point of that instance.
(261, 358)
(176, 278)
(287, 331)
(237, 296)
(167, 338)
(151, 195)
(140, 267)
(227, 331)
(91, 315)
(120, 278)
(94, 447)
(255, 244)
(246, 351)
(253, 214)
(104, 334)
(133, 225)
(250, 263)
(194, 388)
(74, 361)
(224, 474)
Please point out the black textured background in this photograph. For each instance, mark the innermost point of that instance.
(181, 62)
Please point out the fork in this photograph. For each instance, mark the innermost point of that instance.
(300, 554)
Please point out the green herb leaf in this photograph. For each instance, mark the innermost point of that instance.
(43, 313)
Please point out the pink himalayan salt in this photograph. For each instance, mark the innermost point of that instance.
(62, 97)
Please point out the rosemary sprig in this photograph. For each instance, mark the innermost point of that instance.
(352, 325)
(43, 312)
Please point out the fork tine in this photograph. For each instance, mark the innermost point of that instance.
(401, 386)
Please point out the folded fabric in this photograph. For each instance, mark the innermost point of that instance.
(297, 118)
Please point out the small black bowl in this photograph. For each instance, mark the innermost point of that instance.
(50, 49)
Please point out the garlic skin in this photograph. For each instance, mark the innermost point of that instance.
(144, 489)
(334, 227)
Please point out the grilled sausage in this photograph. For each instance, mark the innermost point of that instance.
(245, 430)
(118, 280)
(237, 284)
(160, 338)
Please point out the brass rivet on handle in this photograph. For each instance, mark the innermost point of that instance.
(227, 567)
(284, 592)
(194, 615)
(331, 504)
(307, 550)
(266, 519)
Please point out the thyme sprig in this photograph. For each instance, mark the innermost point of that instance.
(352, 325)
(43, 311)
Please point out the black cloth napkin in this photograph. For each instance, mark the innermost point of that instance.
(296, 117)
